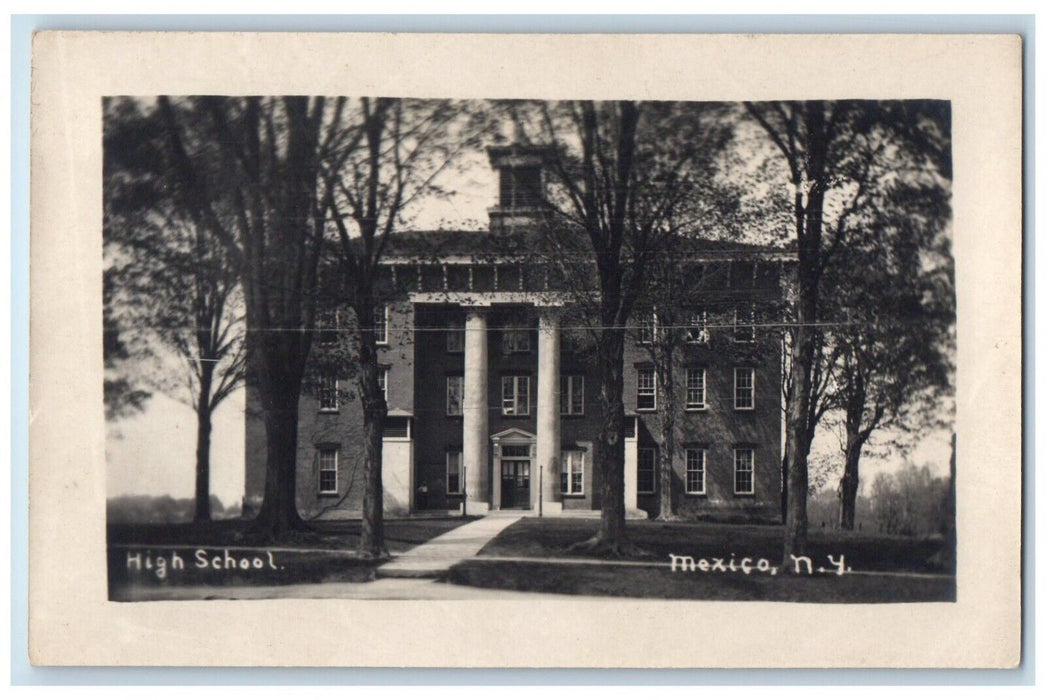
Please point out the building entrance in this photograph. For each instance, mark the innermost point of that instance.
(515, 476)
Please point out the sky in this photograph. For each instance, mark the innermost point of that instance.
(136, 466)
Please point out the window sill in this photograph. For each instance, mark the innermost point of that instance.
(572, 496)
(647, 410)
(328, 494)
(697, 409)
(744, 410)
(746, 494)
(696, 494)
(328, 411)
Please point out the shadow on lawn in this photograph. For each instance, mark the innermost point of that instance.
(885, 569)
(230, 553)
(553, 537)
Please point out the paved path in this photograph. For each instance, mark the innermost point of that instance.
(435, 557)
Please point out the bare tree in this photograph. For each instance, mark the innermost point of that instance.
(620, 173)
(172, 287)
(405, 145)
(258, 175)
(896, 305)
(829, 149)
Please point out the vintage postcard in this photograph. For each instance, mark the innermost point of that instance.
(557, 351)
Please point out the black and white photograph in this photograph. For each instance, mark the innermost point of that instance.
(374, 347)
(524, 350)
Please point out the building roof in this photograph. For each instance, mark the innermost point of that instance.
(456, 243)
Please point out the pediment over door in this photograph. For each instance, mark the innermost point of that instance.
(513, 435)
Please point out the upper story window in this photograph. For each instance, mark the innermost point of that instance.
(744, 324)
(572, 395)
(327, 327)
(520, 187)
(515, 395)
(695, 389)
(381, 324)
(328, 393)
(744, 388)
(697, 326)
(515, 340)
(456, 338)
(646, 329)
(646, 389)
(455, 395)
(383, 381)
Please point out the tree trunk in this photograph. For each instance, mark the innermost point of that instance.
(375, 409)
(609, 446)
(850, 481)
(809, 223)
(203, 449)
(797, 446)
(279, 510)
(666, 507)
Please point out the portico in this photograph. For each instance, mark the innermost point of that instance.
(528, 461)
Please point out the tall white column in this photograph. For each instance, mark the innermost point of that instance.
(475, 416)
(548, 439)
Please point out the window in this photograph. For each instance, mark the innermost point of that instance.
(647, 328)
(695, 470)
(328, 394)
(327, 327)
(744, 388)
(572, 473)
(515, 340)
(328, 462)
(697, 327)
(381, 325)
(744, 470)
(515, 396)
(572, 395)
(744, 325)
(645, 470)
(383, 381)
(456, 339)
(453, 472)
(455, 395)
(695, 389)
(520, 187)
(646, 389)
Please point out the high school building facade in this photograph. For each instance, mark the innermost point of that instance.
(493, 395)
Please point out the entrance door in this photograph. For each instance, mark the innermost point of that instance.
(515, 483)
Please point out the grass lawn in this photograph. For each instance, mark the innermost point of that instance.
(551, 538)
(335, 535)
(228, 553)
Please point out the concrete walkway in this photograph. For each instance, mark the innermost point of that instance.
(435, 557)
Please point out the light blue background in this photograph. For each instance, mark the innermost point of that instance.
(22, 27)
